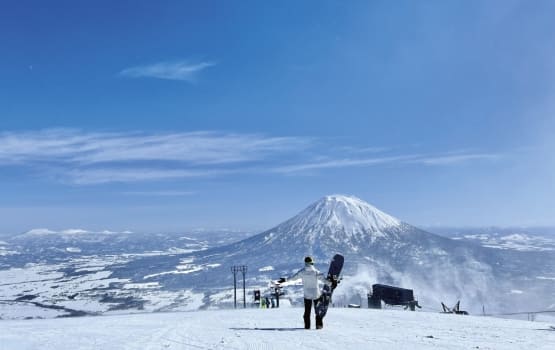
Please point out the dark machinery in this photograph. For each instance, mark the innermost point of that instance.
(453, 310)
(391, 296)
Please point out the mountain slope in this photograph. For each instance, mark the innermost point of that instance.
(337, 224)
(378, 249)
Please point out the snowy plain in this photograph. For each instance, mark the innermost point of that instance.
(277, 329)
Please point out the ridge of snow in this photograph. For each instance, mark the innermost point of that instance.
(68, 232)
(39, 232)
(74, 231)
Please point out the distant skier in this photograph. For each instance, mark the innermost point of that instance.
(310, 276)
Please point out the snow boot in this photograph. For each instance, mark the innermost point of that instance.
(319, 322)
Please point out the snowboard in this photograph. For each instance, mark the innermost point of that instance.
(334, 271)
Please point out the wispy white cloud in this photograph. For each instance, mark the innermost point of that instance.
(110, 175)
(85, 158)
(449, 159)
(341, 163)
(95, 158)
(457, 158)
(362, 150)
(170, 193)
(180, 70)
(198, 148)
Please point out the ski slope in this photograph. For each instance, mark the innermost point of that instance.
(277, 329)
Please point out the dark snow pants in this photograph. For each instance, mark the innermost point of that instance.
(307, 306)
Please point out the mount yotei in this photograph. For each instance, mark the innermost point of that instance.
(378, 248)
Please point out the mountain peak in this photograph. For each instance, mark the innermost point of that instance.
(331, 224)
(350, 213)
(340, 217)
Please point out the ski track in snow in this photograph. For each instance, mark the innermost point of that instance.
(277, 329)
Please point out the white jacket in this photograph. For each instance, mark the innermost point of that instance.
(310, 276)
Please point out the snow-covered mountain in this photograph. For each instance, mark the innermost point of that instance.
(359, 231)
(378, 248)
(337, 213)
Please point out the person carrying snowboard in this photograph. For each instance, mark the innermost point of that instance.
(310, 276)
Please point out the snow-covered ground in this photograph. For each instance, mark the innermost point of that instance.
(515, 241)
(277, 329)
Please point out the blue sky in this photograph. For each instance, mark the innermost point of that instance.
(169, 115)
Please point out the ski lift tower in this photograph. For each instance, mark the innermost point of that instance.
(243, 270)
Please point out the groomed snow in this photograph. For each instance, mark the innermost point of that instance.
(277, 329)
